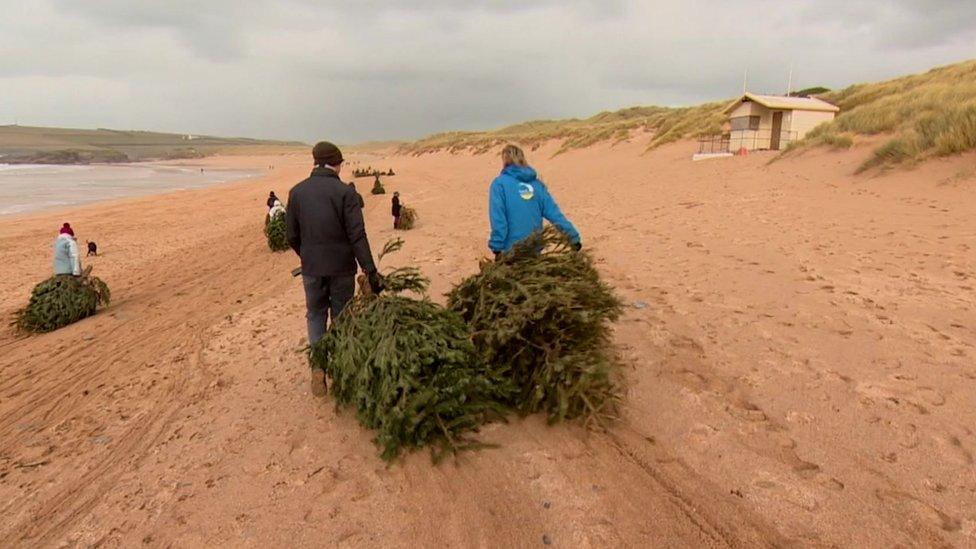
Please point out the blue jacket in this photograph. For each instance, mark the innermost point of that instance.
(517, 204)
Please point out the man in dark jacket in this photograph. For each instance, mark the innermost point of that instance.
(324, 225)
(396, 210)
(271, 200)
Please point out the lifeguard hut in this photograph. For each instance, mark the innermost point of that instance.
(765, 123)
(771, 122)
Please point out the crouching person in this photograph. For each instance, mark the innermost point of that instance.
(324, 225)
(66, 258)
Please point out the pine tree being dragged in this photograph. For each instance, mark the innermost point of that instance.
(62, 300)
(540, 316)
(408, 218)
(378, 187)
(409, 368)
(274, 230)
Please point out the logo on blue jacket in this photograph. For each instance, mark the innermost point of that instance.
(526, 191)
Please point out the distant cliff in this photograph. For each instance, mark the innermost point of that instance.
(38, 145)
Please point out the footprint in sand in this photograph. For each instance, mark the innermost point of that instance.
(746, 411)
(788, 491)
(786, 452)
(928, 513)
(901, 393)
(908, 436)
(952, 448)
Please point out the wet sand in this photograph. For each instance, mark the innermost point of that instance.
(28, 188)
(799, 350)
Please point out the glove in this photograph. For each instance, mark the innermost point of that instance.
(578, 246)
(375, 282)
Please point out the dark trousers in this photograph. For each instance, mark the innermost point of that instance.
(325, 296)
(396, 222)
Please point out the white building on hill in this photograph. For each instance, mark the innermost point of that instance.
(771, 122)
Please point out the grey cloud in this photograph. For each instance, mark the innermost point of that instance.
(369, 69)
(212, 28)
(900, 24)
(940, 23)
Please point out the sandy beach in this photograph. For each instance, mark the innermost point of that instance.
(800, 346)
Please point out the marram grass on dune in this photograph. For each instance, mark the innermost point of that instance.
(924, 115)
(666, 125)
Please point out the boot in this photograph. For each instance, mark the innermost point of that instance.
(319, 387)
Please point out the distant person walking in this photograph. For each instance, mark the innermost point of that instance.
(396, 210)
(324, 225)
(271, 200)
(66, 258)
(277, 208)
(518, 202)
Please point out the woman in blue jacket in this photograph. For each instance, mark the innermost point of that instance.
(518, 202)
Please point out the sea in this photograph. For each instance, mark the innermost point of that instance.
(29, 187)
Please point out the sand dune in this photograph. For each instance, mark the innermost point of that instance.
(800, 353)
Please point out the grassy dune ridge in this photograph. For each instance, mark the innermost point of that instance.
(666, 123)
(928, 114)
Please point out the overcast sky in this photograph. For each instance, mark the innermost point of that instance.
(370, 69)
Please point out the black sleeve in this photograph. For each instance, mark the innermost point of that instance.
(356, 231)
(293, 232)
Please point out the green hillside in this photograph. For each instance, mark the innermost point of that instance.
(26, 144)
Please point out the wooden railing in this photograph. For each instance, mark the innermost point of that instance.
(749, 139)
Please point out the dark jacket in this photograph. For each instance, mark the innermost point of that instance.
(324, 225)
(396, 206)
(271, 201)
(362, 203)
